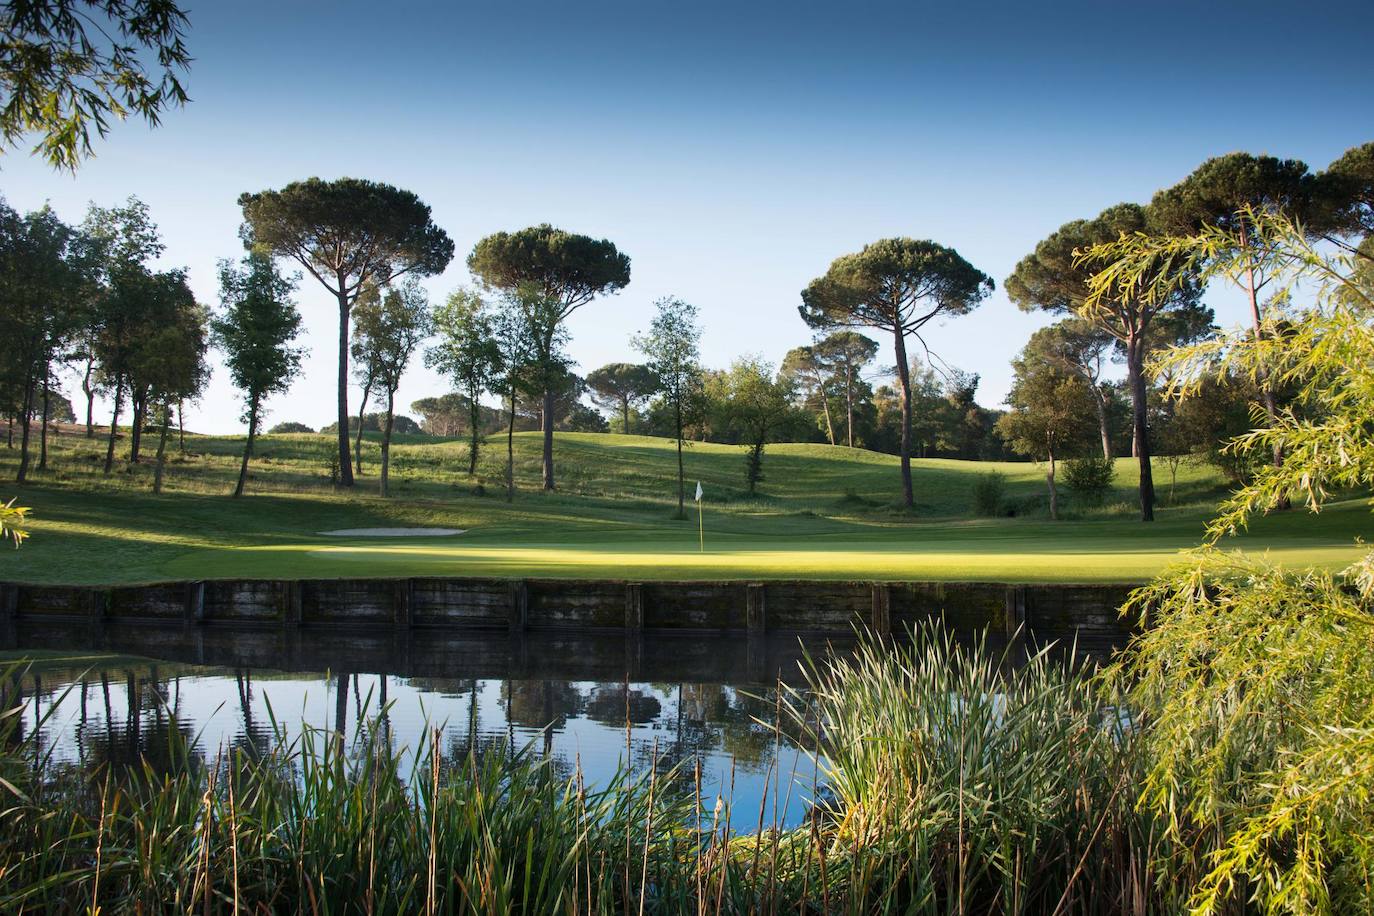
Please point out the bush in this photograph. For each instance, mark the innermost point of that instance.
(1090, 478)
(291, 426)
(988, 491)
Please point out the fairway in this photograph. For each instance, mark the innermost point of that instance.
(823, 513)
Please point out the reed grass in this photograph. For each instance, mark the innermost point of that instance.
(946, 780)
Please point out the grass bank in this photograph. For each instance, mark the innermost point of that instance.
(823, 512)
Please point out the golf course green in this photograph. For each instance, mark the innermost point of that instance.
(822, 512)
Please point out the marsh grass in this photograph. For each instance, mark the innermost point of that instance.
(948, 780)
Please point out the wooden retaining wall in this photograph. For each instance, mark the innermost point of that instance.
(521, 605)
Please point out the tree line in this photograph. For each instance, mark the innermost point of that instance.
(86, 296)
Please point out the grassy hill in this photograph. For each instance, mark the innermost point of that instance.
(823, 512)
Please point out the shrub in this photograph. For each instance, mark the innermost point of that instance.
(290, 426)
(1090, 478)
(988, 491)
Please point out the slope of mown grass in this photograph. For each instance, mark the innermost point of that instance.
(823, 512)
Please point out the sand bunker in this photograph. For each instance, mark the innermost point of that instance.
(393, 532)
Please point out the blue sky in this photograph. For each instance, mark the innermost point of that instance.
(732, 150)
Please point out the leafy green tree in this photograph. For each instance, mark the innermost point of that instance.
(443, 415)
(1344, 209)
(1050, 415)
(362, 349)
(672, 348)
(1219, 193)
(808, 377)
(1082, 348)
(124, 239)
(1056, 278)
(69, 65)
(518, 369)
(255, 330)
(163, 360)
(966, 425)
(619, 386)
(391, 332)
(346, 233)
(845, 354)
(568, 271)
(897, 285)
(175, 370)
(289, 426)
(755, 407)
(42, 276)
(467, 352)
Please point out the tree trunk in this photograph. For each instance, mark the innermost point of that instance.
(1100, 401)
(849, 402)
(548, 438)
(510, 449)
(625, 414)
(681, 481)
(904, 377)
(89, 391)
(1135, 376)
(181, 426)
(475, 418)
(140, 408)
(386, 438)
(248, 446)
(114, 423)
(1049, 477)
(25, 422)
(341, 691)
(755, 465)
(161, 448)
(345, 465)
(358, 441)
(825, 404)
(47, 409)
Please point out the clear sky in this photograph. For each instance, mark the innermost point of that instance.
(731, 149)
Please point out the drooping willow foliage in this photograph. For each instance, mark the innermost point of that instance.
(1257, 681)
(11, 522)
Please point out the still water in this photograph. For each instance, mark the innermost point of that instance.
(108, 694)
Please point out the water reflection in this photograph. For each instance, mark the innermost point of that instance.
(581, 702)
(584, 702)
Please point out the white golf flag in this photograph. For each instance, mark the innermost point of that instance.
(698, 491)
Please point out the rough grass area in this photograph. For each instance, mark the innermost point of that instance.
(822, 512)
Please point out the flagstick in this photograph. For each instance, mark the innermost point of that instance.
(701, 525)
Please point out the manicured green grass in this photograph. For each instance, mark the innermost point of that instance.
(823, 512)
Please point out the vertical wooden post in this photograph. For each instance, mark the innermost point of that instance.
(881, 621)
(195, 602)
(291, 600)
(99, 604)
(9, 615)
(1016, 610)
(755, 609)
(9, 601)
(403, 605)
(634, 606)
(519, 605)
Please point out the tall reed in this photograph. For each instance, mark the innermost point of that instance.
(948, 780)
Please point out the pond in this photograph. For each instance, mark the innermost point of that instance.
(586, 702)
